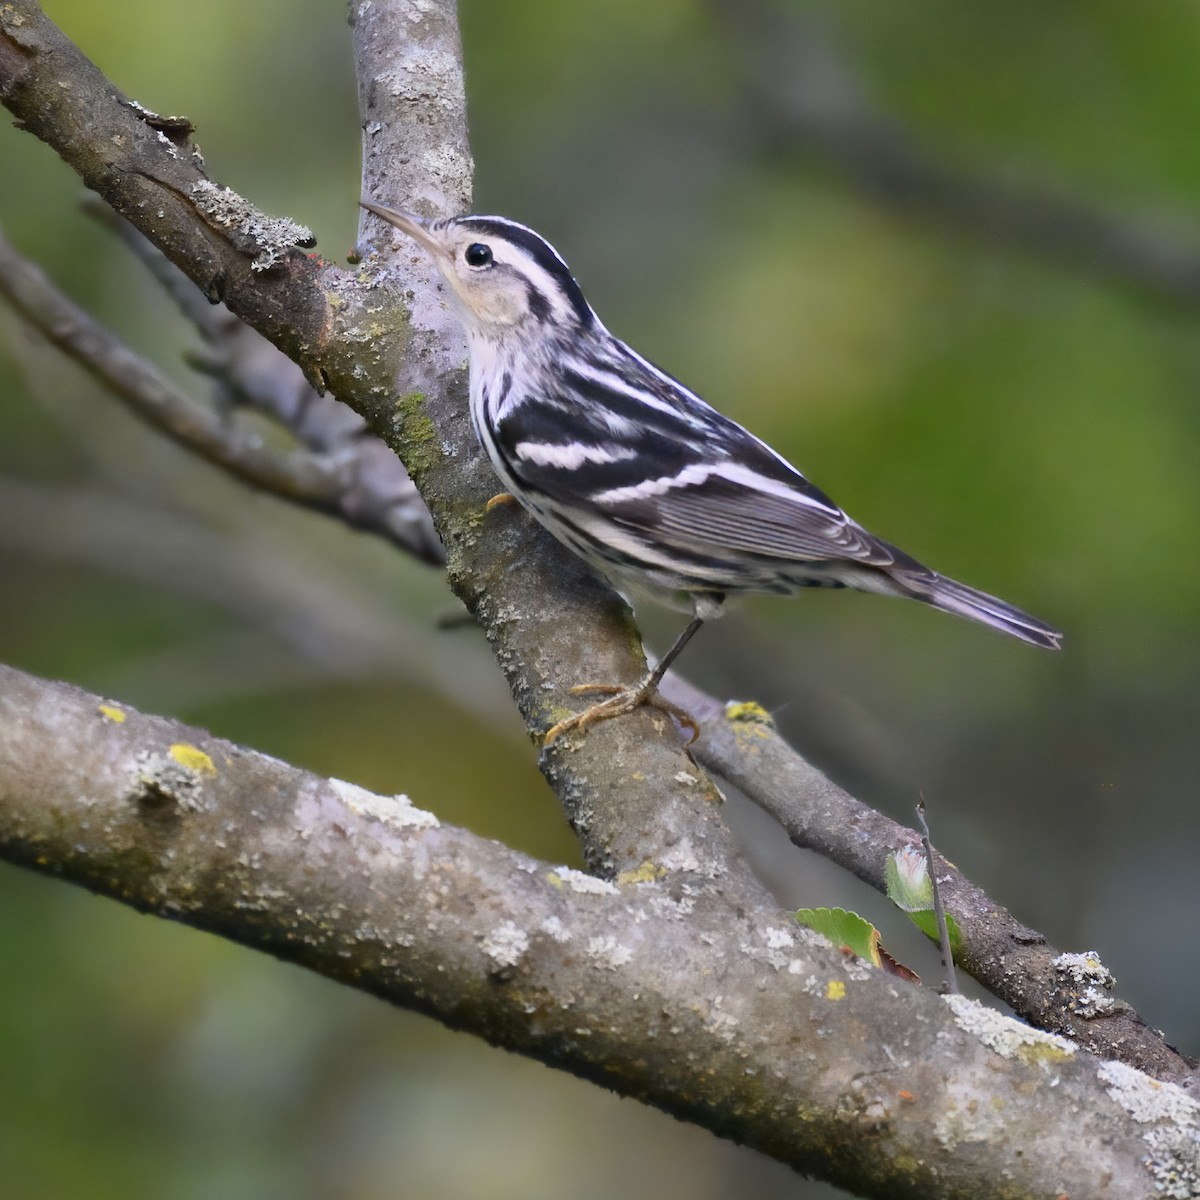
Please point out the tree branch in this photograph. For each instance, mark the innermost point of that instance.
(787, 1047)
(299, 477)
(1041, 983)
(628, 787)
(1055, 991)
(347, 473)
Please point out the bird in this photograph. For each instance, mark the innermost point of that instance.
(634, 472)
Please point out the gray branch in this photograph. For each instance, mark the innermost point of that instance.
(380, 339)
(300, 477)
(628, 785)
(668, 992)
(373, 491)
(679, 985)
(1053, 990)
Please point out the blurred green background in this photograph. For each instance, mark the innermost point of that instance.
(1030, 426)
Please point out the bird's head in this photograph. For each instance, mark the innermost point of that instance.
(504, 276)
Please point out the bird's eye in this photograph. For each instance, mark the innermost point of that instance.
(478, 255)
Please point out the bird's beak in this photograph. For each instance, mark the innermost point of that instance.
(408, 223)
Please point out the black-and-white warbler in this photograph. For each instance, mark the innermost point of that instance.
(637, 474)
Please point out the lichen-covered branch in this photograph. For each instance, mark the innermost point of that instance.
(416, 151)
(733, 1019)
(631, 792)
(1070, 994)
(629, 788)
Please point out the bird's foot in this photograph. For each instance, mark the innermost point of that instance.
(621, 700)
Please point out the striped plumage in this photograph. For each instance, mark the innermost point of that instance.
(633, 471)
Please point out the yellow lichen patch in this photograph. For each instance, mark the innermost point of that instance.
(112, 713)
(749, 712)
(836, 990)
(648, 872)
(1043, 1052)
(750, 721)
(193, 758)
(422, 450)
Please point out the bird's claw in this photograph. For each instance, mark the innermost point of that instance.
(621, 700)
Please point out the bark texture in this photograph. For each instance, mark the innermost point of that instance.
(734, 1019)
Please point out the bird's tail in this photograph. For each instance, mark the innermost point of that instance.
(953, 597)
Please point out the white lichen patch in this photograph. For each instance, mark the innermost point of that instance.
(672, 908)
(584, 884)
(398, 812)
(271, 237)
(686, 778)
(1146, 1099)
(775, 952)
(506, 944)
(682, 857)
(555, 929)
(1174, 1161)
(432, 77)
(1089, 982)
(724, 1025)
(1007, 1037)
(779, 938)
(1173, 1144)
(607, 953)
(857, 969)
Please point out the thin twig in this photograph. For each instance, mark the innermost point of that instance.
(247, 371)
(352, 476)
(740, 745)
(298, 476)
(939, 911)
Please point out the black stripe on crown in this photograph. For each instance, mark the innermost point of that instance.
(541, 252)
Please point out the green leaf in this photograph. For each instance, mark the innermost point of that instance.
(844, 929)
(926, 922)
(848, 931)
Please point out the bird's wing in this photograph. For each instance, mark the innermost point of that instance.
(728, 504)
(626, 442)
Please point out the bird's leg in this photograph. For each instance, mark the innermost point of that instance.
(624, 700)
